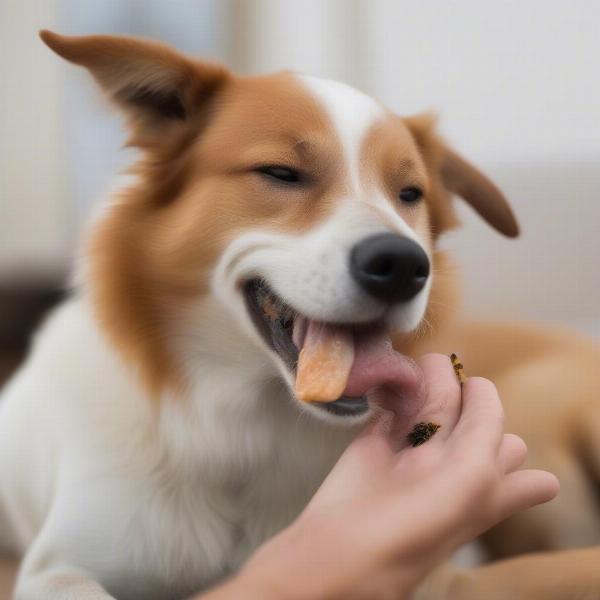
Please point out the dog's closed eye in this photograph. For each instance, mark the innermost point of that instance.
(281, 173)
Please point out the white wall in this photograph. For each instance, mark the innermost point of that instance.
(33, 211)
(319, 37)
(514, 80)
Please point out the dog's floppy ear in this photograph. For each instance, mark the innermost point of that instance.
(481, 193)
(155, 85)
(462, 178)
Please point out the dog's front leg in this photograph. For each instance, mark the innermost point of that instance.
(45, 576)
(58, 582)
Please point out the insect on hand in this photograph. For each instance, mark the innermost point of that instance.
(458, 368)
(422, 432)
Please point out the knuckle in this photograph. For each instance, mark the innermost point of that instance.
(518, 443)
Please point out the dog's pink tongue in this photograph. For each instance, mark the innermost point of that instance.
(380, 372)
(334, 362)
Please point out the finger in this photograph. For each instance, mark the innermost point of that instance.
(512, 454)
(481, 421)
(524, 489)
(443, 395)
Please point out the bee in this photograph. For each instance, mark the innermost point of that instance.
(422, 432)
(458, 368)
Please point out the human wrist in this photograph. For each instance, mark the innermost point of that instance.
(283, 585)
(252, 584)
(243, 585)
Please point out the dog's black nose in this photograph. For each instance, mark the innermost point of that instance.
(390, 267)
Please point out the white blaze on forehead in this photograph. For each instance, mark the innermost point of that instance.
(352, 113)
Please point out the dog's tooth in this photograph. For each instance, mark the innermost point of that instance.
(324, 363)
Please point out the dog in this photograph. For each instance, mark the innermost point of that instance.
(155, 435)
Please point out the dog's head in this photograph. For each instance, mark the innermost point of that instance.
(301, 207)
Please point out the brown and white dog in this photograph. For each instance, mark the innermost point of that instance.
(153, 438)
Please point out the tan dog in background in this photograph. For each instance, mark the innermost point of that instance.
(267, 214)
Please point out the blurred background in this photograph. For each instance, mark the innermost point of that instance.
(516, 84)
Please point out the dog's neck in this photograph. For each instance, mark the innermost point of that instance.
(235, 397)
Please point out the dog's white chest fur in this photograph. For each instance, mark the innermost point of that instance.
(145, 497)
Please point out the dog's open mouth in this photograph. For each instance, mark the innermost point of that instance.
(281, 326)
(338, 368)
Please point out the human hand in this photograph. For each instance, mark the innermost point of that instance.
(388, 512)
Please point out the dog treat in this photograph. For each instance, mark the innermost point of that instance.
(324, 363)
(422, 432)
(458, 368)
